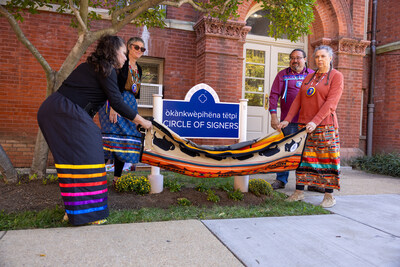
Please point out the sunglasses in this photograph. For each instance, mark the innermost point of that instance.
(139, 48)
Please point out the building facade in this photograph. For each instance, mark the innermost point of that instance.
(235, 58)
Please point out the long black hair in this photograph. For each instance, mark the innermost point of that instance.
(104, 58)
(330, 52)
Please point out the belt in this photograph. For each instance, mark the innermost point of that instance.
(80, 100)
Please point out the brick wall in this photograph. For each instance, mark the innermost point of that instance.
(23, 82)
(189, 60)
(386, 132)
(185, 12)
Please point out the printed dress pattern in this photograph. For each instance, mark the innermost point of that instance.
(121, 139)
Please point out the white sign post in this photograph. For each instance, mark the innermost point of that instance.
(242, 182)
(155, 178)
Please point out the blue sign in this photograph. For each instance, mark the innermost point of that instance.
(202, 116)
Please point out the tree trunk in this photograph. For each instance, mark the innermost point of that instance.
(6, 167)
(39, 162)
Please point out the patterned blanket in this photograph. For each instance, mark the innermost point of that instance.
(273, 153)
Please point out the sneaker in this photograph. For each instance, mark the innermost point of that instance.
(278, 184)
(296, 196)
(328, 202)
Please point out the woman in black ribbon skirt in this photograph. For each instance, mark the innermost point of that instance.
(66, 121)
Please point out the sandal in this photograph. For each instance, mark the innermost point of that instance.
(65, 218)
(102, 221)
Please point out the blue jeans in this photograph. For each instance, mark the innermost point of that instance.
(291, 128)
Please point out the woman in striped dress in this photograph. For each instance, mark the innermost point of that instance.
(66, 121)
(316, 103)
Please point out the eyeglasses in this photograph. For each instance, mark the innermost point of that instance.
(296, 58)
(139, 48)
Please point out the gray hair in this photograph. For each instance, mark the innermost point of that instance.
(327, 48)
(134, 40)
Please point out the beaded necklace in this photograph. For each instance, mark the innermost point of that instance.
(135, 80)
(311, 90)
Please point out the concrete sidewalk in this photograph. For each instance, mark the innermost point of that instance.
(364, 230)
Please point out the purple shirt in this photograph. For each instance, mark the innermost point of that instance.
(286, 85)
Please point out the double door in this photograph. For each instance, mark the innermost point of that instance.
(261, 65)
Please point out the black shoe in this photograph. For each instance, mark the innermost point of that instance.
(278, 184)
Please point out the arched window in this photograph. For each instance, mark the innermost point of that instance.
(260, 24)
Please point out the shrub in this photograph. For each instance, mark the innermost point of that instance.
(387, 164)
(130, 183)
(173, 185)
(260, 187)
(202, 187)
(226, 187)
(211, 196)
(184, 201)
(236, 195)
(51, 178)
(33, 177)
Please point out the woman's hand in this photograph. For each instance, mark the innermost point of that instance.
(282, 125)
(310, 127)
(113, 115)
(142, 121)
(147, 124)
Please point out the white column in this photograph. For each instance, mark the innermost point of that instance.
(155, 178)
(242, 182)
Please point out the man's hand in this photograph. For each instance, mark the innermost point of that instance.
(274, 121)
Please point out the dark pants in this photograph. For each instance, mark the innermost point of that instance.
(290, 129)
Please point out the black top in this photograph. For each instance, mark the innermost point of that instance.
(123, 76)
(84, 86)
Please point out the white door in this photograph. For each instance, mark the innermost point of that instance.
(262, 64)
(279, 60)
(256, 82)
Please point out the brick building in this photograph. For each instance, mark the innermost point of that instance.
(193, 49)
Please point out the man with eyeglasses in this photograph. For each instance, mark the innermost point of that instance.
(284, 89)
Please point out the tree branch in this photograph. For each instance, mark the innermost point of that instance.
(22, 38)
(139, 9)
(224, 6)
(77, 14)
(190, 2)
(76, 53)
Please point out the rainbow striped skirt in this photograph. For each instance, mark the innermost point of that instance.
(320, 164)
(76, 144)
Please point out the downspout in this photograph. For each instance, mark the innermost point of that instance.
(371, 105)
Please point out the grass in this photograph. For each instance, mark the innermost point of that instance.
(275, 206)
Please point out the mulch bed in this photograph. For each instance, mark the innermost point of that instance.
(35, 196)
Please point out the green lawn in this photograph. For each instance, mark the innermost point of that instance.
(275, 206)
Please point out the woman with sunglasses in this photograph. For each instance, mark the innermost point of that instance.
(121, 139)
